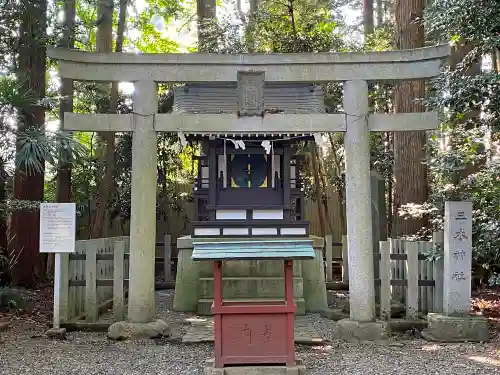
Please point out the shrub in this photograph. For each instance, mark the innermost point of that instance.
(10, 299)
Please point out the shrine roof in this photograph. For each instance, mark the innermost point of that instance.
(259, 249)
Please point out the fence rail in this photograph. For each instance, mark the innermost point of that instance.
(94, 279)
(406, 273)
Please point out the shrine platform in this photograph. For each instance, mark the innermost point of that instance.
(201, 329)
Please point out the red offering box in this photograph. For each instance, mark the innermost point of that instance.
(254, 332)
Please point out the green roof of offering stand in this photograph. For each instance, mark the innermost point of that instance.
(258, 249)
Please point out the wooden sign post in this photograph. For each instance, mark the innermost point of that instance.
(57, 235)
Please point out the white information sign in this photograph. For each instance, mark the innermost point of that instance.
(57, 227)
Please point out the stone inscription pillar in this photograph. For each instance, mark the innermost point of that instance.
(358, 202)
(141, 305)
(457, 257)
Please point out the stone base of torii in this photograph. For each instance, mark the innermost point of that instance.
(355, 70)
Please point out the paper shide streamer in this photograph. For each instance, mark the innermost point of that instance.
(266, 144)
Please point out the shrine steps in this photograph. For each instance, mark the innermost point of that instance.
(205, 304)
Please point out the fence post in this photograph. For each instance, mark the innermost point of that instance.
(118, 273)
(329, 257)
(61, 289)
(412, 279)
(385, 280)
(438, 271)
(345, 259)
(167, 258)
(91, 310)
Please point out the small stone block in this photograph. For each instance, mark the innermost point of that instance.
(350, 330)
(443, 328)
(56, 333)
(138, 331)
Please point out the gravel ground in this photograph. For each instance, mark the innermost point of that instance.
(24, 350)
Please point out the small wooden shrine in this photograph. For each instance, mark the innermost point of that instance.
(249, 184)
(254, 332)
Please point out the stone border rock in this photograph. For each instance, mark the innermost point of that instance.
(351, 330)
(120, 331)
(443, 328)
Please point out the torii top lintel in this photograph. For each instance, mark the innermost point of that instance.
(250, 72)
(290, 67)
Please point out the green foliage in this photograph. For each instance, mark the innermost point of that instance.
(37, 147)
(483, 189)
(470, 20)
(150, 40)
(380, 40)
(10, 299)
(460, 163)
(293, 26)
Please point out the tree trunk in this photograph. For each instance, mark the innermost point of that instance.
(122, 19)
(250, 27)
(63, 182)
(496, 61)
(319, 195)
(66, 103)
(325, 200)
(4, 271)
(338, 173)
(206, 11)
(104, 44)
(368, 24)
(411, 185)
(29, 185)
(3, 213)
(380, 13)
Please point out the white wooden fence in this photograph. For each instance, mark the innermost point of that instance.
(93, 279)
(406, 274)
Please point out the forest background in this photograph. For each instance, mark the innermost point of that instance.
(39, 162)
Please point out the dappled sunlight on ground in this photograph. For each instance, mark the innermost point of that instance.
(485, 360)
(431, 348)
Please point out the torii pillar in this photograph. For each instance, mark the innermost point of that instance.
(141, 305)
(358, 202)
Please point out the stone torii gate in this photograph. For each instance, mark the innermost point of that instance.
(355, 70)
